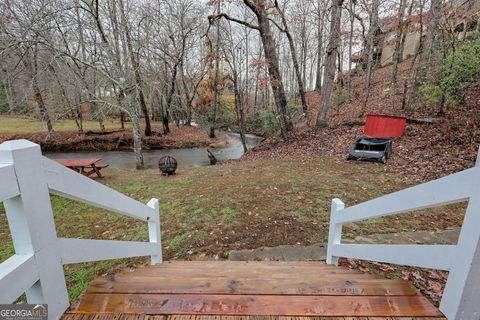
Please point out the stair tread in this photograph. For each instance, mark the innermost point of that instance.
(253, 288)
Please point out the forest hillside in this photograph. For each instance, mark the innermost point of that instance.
(435, 143)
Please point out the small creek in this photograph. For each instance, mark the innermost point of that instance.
(192, 157)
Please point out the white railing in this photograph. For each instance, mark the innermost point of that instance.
(461, 297)
(26, 179)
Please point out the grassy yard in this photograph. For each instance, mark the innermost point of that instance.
(10, 124)
(211, 210)
(22, 125)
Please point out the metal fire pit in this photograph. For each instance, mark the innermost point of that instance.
(167, 165)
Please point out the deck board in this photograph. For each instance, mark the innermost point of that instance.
(109, 316)
(184, 290)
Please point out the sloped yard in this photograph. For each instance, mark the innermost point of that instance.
(208, 211)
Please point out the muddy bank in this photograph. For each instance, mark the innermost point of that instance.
(120, 140)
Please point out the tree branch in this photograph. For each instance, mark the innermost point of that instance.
(252, 7)
(213, 18)
(276, 25)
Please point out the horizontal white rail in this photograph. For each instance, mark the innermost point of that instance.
(26, 179)
(431, 194)
(69, 184)
(17, 273)
(8, 182)
(424, 256)
(86, 250)
(460, 298)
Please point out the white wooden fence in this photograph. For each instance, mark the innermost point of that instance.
(461, 297)
(26, 179)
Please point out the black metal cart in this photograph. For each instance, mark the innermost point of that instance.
(371, 149)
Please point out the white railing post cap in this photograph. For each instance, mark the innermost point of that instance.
(337, 202)
(153, 203)
(17, 145)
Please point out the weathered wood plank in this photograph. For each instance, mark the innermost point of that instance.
(241, 285)
(273, 267)
(368, 306)
(204, 290)
(249, 278)
(109, 316)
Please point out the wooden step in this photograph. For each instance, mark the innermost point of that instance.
(134, 316)
(253, 288)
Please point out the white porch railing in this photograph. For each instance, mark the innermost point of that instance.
(26, 179)
(461, 298)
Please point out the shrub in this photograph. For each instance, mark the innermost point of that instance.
(262, 120)
(459, 70)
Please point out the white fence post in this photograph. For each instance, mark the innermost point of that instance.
(334, 231)
(32, 226)
(154, 231)
(461, 295)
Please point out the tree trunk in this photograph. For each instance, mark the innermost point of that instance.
(371, 48)
(136, 69)
(397, 56)
(166, 121)
(350, 45)
(331, 57)
(240, 113)
(321, 21)
(300, 82)
(432, 36)
(418, 53)
(38, 94)
(259, 8)
(286, 126)
(122, 119)
(137, 135)
(216, 92)
(257, 78)
(131, 107)
(166, 114)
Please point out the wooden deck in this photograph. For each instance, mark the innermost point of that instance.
(184, 290)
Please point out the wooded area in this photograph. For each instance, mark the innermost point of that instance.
(246, 65)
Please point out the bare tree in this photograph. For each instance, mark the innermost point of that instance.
(36, 88)
(330, 62)
(216, 79)
(320, 26)
(136, 68)
(260, 10)
(434, 29)
(300, 81)
(232, 51)
(397, 51)
(371, 60)
(352, 7)
(118, 76)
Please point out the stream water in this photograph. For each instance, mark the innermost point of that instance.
(193, 157)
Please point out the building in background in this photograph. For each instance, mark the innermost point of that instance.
(461, 21)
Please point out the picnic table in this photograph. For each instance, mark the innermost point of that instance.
(87, 166)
